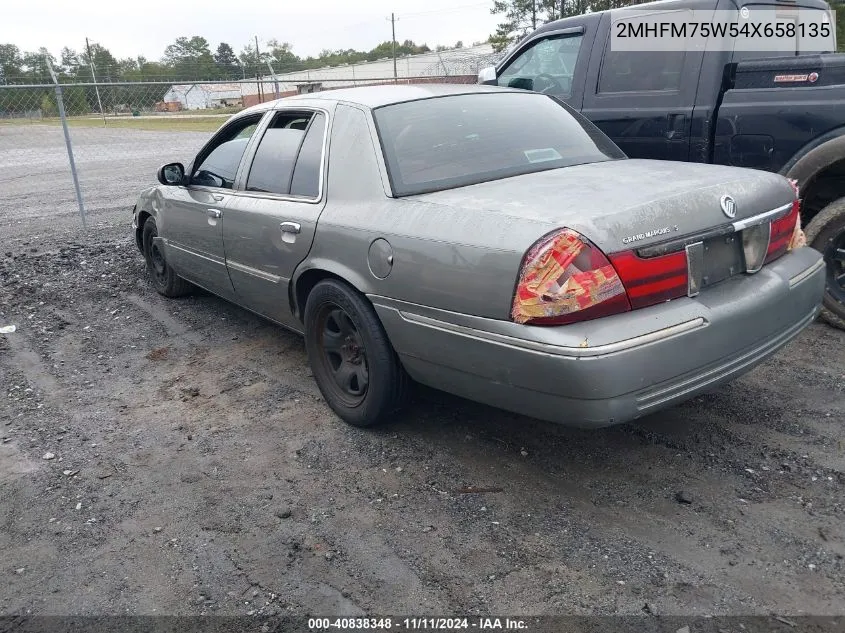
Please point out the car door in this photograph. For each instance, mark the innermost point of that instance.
(553, 63)
(270, 221)
(643, 100)
(192, 218)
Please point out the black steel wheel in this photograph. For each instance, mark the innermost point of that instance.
(826, 234)
(344, 354)
(165, 279)
(351, 358)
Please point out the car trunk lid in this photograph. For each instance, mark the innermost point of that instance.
(628, 204)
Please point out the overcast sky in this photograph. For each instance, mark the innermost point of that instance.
(134, 27)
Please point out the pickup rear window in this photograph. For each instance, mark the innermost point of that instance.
(459, 140)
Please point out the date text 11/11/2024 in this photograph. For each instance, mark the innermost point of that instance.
(418, 624)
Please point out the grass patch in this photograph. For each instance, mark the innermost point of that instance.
(182, 123)
(226, 110)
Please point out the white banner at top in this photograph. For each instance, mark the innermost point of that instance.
(786, 29)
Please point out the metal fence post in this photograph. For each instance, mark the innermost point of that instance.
(60, 103)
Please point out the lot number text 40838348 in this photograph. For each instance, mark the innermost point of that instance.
(416, 624)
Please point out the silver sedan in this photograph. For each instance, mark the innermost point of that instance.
(488, 242)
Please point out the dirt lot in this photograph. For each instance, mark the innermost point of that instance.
(175, 457)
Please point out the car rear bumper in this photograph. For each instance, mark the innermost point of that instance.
(614, 369)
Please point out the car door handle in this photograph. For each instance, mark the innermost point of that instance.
(217, 197)
(215, 213)
(290, 227)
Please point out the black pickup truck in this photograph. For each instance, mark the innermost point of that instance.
(781, 112)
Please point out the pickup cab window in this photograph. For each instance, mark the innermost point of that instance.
(641, 71)
(547, 66)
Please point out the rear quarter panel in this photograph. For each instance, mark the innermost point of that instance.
(456, 260)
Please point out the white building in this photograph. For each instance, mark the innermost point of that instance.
(456, 62)
(462, 64)
(202, 96)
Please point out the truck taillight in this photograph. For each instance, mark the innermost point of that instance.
(786, 233)
(565, 278)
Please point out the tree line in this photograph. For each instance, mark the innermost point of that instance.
(186, 59)
(192, 58)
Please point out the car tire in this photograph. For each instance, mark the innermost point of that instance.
(165, 280)
(826, 234)
(353, 362)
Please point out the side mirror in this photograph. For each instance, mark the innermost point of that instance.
(171, 174)
(487, 76)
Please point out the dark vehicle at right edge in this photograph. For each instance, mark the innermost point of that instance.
(780, 111)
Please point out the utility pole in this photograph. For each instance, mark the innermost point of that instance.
(94, 79)
(534, 14)
(393, 34)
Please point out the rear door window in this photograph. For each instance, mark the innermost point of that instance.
(307, 173)
(288, 157)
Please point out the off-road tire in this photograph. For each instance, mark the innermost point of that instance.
(826, 226)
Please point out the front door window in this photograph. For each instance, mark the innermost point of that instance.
(221, 159)
(547, 66)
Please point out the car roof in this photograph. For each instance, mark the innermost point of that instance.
(377, 96)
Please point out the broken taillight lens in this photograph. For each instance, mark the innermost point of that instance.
(786, 233)
(565, 278)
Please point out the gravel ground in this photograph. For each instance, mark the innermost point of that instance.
(175, 457)
(113, 165)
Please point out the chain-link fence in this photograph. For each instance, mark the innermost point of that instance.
(118, 134)
(121, 132)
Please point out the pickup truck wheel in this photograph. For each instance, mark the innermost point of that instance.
(165, 279)
(351, 358)
(826, 233)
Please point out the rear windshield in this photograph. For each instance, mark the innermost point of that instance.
(460, 140)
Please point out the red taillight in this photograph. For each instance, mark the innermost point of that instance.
(786, 233)
(652, 280)
(565, 278)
